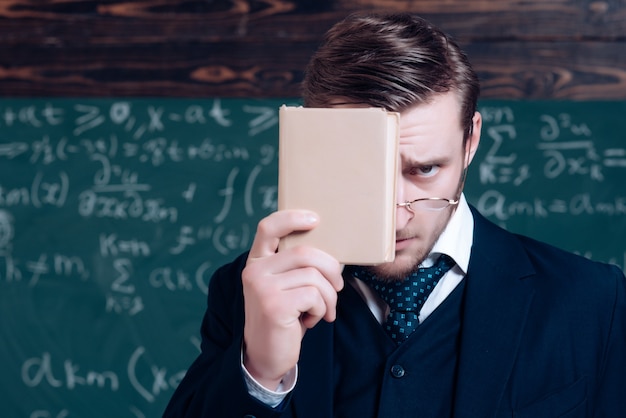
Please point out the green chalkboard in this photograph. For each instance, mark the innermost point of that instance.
(555, 171)
(115, 212)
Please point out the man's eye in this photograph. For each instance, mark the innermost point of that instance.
(424, 171)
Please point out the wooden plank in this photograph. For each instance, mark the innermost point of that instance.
(194, 70)
(548, 70)
(154, 21)
(566, 70)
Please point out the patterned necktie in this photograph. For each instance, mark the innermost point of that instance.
(405, 298)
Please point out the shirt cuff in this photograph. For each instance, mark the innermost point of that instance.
(270, 397)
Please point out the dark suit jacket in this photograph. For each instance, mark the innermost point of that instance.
(543, 335)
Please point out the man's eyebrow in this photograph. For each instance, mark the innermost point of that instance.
(414, 162)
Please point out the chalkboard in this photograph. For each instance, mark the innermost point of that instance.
(115, 212)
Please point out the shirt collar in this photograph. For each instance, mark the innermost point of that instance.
(456, 239)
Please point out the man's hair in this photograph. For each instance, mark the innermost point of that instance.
(393, 61)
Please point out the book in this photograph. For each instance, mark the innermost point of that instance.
(341, 163)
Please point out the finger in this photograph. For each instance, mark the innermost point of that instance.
(311, 279)
(328, 296)
(296, 258)
(311, 305)
(277, 225)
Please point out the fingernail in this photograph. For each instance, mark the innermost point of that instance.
(311, 218)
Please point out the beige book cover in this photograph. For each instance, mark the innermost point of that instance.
(341, 163)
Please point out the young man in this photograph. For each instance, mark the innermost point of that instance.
(513, 327)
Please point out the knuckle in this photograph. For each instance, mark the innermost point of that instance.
(301, 252)
(248, 273)
(264, 226)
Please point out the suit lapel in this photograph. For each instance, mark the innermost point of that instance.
(498, 295)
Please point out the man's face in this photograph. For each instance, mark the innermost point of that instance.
(432, 160)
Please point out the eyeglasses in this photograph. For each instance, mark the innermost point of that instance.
(428, 203)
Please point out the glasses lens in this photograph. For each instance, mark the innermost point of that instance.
(430, 204)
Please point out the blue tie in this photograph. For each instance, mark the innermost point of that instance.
(405, 298)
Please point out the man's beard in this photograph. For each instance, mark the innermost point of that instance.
(390, 272)
(387, 273)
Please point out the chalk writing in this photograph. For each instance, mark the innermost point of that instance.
(38, 116)
(32, 270)
(496, 204)
(38, 370)
(159, 380)
(43, 191)
(553, 125)
(131, 205)
(148, 380)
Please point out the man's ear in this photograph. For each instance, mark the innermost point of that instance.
(471, 145)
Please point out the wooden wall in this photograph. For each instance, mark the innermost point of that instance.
(548, 49)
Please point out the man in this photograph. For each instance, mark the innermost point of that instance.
(513, 327)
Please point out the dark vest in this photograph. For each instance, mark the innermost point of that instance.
(374, 377)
